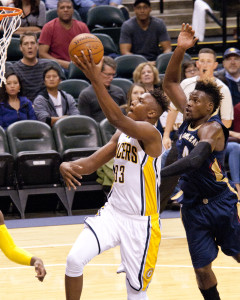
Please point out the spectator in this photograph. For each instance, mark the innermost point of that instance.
(83, 6)
(52, 104)
(231, 72)
(189, 69)
(88, 104)
(144, 34)
(135, 91)
(29, 69)
(146, 74)
(13, 106)
(33, 17)
(57, 34)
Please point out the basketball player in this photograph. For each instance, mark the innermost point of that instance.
(17, 254)
(209, 201)
(130, 219)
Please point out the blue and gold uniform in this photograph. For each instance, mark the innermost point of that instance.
(209, 202)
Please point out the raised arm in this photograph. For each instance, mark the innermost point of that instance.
(171, 83)
(140, 130)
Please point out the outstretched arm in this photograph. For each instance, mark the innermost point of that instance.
(72, 170)
(171, 83)
(211, 138)
(17, 254)
(142, 131)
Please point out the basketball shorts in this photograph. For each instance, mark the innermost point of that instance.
(138, 237)
(210, 225)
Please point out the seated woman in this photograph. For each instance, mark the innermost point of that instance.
(148, 75)
(13, 106)
(33, 17)
(53, 104)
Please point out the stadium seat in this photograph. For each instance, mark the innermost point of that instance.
(13, 52)
(107, 130)
(126, 64)
(163, 60)
(52, 14)
(113, 32)
(75, 73)
(8, 185)
(104, 16)
(108, 44)
(37, 161)
(73, 86)
(123, 83)
(76, 137)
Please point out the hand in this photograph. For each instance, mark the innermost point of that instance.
(89, 68)
(167, 142)
(186, 37)
(69, 171)
(39, 268)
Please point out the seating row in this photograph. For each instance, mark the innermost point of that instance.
(31, 153)
(126, 64)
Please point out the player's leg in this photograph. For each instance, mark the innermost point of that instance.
(237, 257)
(135, 295)
(84, 249)
(207, 282)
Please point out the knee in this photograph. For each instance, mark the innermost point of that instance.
(74, 265)
(202, 274)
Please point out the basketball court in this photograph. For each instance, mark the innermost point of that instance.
(173, 279)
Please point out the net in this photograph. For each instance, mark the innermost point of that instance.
(10, 21)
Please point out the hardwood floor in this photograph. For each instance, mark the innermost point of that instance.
(174, 278)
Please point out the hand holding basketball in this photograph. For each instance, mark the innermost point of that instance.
(84, 42)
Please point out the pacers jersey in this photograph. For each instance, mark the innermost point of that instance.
(137, 179)
(210, 179)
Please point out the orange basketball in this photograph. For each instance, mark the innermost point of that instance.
(83, 42)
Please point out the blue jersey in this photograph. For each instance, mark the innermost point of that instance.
(210, 179)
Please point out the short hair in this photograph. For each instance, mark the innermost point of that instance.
(109, 61)
(137, 72)
(160, 97)
(210, 87)
(185, 65)
(50, 67)
(3, 92)
(208, 50)
(28, 33)
(61, 1)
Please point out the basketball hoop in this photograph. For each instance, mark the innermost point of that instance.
(10, 21)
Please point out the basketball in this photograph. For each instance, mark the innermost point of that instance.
(83, 42)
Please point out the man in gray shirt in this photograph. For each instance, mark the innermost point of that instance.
(88, 104)
(144, 34)
(30, 68)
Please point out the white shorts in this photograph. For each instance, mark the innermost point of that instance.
(138, 237)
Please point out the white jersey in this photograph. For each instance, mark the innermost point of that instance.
(137, 179)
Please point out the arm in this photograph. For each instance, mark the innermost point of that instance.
(171, 83)
(125, 49)
(17, 254)
(88, 165)
(125, 41)
(43, 53)
(171, 118)
(226, 107)
(211, 138)
(166, 46)
(142, 131)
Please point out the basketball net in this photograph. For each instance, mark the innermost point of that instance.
(10, 21)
